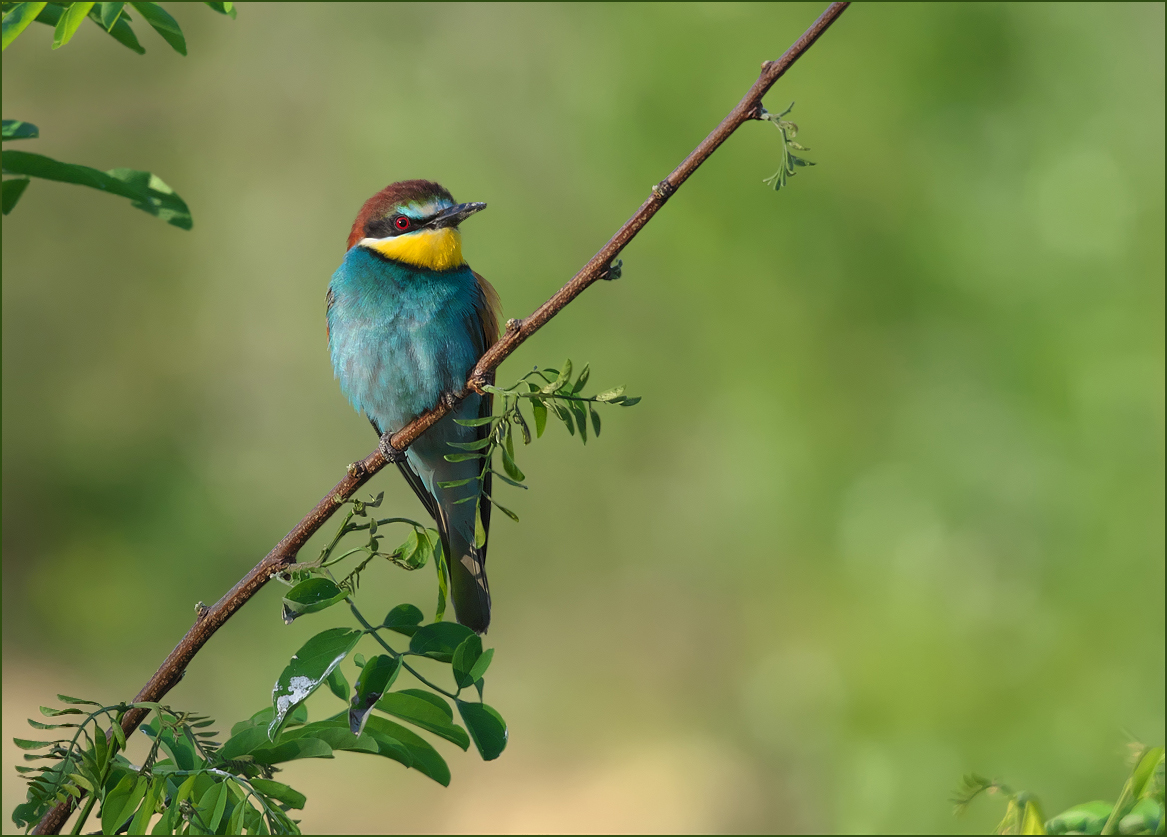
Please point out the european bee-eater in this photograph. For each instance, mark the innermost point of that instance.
(407, 321)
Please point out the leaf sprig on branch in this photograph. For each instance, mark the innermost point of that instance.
(789, 161)
(546, 392)
(184, 776)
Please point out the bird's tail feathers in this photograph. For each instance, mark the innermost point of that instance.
(466, 564)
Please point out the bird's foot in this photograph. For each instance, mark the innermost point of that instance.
(613, 271)
(450, 400)
(390, 453)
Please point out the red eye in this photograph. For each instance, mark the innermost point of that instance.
(401, 222)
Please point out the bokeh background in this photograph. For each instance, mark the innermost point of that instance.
(891, 509)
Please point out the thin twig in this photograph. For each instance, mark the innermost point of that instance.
(517, 331)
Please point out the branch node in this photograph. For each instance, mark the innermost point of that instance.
(613, 271)
(664, 190)
(201, 611)
(355, 469)
(513, 325)
(479, 381)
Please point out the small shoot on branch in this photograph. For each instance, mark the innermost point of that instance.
(546, 392)
(789, 161)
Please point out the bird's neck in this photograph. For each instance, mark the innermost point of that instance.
(431, 249)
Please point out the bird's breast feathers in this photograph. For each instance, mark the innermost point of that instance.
(439, 249)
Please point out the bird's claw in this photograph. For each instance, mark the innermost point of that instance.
(450, 400)
(613, 271)
(390, 453)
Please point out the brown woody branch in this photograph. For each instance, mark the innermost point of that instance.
(211, 619)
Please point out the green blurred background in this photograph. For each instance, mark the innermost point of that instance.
(891, 509)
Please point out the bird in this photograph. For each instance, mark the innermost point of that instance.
(407, 320)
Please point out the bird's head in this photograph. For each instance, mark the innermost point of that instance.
(415, 222)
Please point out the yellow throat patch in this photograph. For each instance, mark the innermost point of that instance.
(431, 249)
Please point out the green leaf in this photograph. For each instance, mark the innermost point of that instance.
(13, 189)
(224, 9)
(508, 464)
(337, 683)
(100, 748)
(426, 759)
(487, 728)
(81, 781)
(119, 734)
(336, 734)
(583, 379)
(298, 748)
(629, 402)
(480, 667)
(424, 710)
(163, 24)
(121, 802)
(595, 420)
(610, 395)
(1133, 788)
(581, 419)
(465, 656)
(311, 596)
(456, 483)
(443, 574)
(413, 553)
(263, 717)
(475, 422)
(504, 510)
(77, 701)
(404, 619)
(308, 669)
(121, 31)
(50, 712)
(108, 14)
(375, 679)
(14, 129)
(462, 457)
(245, 739)
(145, 190)
(146, 810)
(27, 744)
(278, 790)
(17, 19)
(439, 640)
(1087, 818)
(209, 809)
(238, 812)
(74, 14)
(477, 444)
(540, 411)
(561, 381)
(1145, 818)
(564, 416)
(508, 480)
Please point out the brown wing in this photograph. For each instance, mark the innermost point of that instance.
(489, 313)
(329, 301)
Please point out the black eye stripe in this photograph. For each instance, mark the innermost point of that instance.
(387, 227)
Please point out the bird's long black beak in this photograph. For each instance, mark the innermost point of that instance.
(455, 215)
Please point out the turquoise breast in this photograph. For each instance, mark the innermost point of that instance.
(401, 336)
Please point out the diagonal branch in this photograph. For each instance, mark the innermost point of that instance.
(211, 619)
